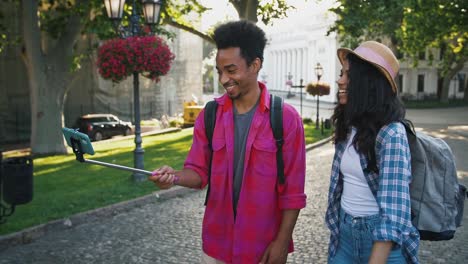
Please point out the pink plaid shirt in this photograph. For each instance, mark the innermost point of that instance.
(261, 201)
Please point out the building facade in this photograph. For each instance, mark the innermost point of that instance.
(293, 52)
(423, 82)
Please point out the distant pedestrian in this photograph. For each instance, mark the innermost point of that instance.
(249, 216)
(369, 209)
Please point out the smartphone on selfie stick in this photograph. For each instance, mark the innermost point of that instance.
(81, 145)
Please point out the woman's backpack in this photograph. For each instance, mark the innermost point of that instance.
(437, 198)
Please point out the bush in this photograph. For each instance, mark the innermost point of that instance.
(176, 122)
(307, 121)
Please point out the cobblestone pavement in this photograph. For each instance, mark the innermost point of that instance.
(169, 231)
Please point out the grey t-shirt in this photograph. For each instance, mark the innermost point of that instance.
(241, 131)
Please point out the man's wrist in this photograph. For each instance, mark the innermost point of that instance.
(176, 180)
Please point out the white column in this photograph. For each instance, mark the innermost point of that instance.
(274, 77)
(286, 68)
(272, 73)
(277, 69)
(215, 79)
(306, 69)
(280, 69)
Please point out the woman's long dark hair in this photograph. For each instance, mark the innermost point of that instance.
(371, 104)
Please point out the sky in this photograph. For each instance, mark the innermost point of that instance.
(222, 10)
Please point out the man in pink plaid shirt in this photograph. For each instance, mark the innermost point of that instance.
(249, 215)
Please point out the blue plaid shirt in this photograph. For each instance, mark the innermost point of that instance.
(390, 188)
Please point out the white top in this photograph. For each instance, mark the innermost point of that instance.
(357, 198)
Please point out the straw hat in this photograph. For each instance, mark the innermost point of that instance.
(378, 55)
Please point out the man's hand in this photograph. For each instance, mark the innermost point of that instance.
(163, 177)
(276, 253)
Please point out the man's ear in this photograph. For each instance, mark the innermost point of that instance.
(256, 65)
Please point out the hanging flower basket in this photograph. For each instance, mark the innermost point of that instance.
(119, 58)
(318, 89)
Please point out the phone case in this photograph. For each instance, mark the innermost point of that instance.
(81, 139)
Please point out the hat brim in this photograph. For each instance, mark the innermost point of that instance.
(343, 53)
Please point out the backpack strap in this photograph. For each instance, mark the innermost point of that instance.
(409, 127)
(210, 122)
(276, 121)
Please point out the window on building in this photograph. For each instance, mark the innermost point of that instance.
(399, 83)
(422, 55)
(461, 82)
(442, 51)
(420, 83)
(399, 54)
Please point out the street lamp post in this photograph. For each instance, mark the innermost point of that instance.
(289, 83)
(151, 10)
(319, 73)
(300, 86)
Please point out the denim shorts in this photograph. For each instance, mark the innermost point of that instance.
(355, 241)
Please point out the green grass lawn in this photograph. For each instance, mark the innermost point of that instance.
(63, 186)
(313, 135)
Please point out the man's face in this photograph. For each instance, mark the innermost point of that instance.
(235, 75)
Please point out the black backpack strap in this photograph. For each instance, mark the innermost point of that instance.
(276, 121)
(210, 121)
(409, 126)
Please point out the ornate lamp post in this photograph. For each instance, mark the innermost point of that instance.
(319, 72)
(151, 10)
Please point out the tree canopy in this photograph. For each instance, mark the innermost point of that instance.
(413, 26)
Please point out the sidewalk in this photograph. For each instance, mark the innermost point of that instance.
(31, 234)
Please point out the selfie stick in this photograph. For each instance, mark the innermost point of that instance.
(77, 149)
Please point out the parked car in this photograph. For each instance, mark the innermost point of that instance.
(100, 126)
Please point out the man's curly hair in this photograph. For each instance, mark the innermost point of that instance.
(243, 34)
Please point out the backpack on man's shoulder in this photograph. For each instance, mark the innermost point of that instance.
(437, 198)
(276, 121)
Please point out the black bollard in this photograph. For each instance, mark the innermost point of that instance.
(321, 126)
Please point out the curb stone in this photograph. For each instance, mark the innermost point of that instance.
(28, 235)
(318, 143)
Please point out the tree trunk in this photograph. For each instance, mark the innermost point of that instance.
(447, 78)
(48, 76)
(247, 9)
(445, 89)
(47, 89)
(465, 90)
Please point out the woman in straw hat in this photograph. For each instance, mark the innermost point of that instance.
(368, 210)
